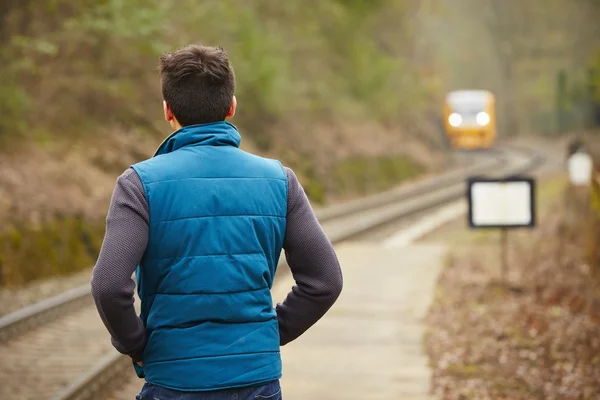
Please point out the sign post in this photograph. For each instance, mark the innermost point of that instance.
(581, 168)
(504, 256)
(577, 194)
(501, 203)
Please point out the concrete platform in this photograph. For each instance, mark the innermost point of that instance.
(369, 345)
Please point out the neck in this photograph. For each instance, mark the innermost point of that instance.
(175, 125)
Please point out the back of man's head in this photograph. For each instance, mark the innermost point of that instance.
(198, 84)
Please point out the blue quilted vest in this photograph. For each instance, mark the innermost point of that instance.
(217, 222)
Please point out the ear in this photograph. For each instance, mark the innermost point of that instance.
(168, 113)
(231, 111)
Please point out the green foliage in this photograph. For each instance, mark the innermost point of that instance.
(138, 22)
(82, 68)
(14, 101)
(313, 184)
(364, 175)
(595, 78)
(58, 247)
(312, 59)
(13, 106)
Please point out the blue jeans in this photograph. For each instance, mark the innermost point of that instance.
(269, 391)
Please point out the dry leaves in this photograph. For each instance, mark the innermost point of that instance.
(533, 341)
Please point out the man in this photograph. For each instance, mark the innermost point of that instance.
(202, 224)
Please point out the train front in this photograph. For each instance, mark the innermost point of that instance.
(470, 119)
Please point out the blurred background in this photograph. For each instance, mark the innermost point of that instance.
(347, 92)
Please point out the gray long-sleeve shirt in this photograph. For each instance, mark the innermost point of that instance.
(309, 253)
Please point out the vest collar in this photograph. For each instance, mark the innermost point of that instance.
(219, 133)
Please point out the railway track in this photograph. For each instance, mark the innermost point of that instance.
(59, 348)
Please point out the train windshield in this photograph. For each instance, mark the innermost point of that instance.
(469, 106)
(468, 101)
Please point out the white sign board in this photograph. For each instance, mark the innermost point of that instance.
(501, 203)
(580, 168)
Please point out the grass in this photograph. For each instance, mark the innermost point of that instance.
(56, 248)
(365, 175)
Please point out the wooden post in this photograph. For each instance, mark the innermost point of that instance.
(592, 236)
(561, 101)
(504, 257)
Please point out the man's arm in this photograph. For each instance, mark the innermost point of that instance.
(313, 263)
(124, 244)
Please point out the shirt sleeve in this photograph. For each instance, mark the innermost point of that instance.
(313, 263)
(124, 244)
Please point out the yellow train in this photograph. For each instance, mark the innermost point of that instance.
(470, 119)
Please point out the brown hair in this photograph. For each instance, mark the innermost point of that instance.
(197, 84)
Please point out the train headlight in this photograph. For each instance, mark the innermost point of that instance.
(482, 118)
(455, 120)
